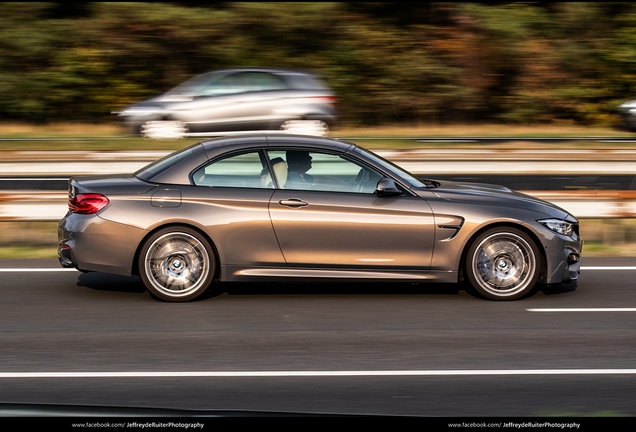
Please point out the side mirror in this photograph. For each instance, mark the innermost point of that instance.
(387, 187)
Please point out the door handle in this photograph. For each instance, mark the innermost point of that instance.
(293, 202)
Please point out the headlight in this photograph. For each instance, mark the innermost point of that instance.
(139, 111)
(558, 226)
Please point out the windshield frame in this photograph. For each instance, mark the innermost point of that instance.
(389, 166)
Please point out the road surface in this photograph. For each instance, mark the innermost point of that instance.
(369, 348)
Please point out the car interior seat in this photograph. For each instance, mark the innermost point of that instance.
(280, 171)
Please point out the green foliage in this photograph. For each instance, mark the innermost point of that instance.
(388, 62)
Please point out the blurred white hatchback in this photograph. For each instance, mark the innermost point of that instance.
(237, 100)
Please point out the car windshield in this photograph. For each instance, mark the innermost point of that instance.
(390, 166)
(194, 85)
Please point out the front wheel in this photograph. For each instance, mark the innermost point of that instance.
(503, 264)
(163, 129)
(176, 264)
(305, 127)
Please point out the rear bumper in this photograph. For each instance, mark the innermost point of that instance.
(65, 255)
(87, 242)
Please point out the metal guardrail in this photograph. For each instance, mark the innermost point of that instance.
(481, 140)
(429, 161)
(24, 205)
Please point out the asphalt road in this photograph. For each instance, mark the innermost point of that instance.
(536, 182)
(380, 348)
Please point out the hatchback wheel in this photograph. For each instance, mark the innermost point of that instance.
(164, 129)
(503, 264)
(306, 127)
(176, 264)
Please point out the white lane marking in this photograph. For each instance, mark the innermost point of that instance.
(583, 310)
(35, 269)
(448, 140)
(316, 373)
(72, 269)
(608, 268)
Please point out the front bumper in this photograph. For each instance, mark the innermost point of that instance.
(574, 267)
(563, 257)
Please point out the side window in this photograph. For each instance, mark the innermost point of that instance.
(309, 170)
(262, 81)
(230, 84)
(242, 82)
(245, 170)
(306, 82)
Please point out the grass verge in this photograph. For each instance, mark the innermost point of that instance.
(111, 137)
(17, 252)
(113, 129)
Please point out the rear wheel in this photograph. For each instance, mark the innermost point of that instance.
(163, 129)
(305, 127)
(503, 264)
(176, 264)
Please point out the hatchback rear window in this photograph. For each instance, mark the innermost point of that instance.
(305, 82)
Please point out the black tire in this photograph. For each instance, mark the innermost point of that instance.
(165, 128)
(177, 264)
(306, 127)
(502, 263)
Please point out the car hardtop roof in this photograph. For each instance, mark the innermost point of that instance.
(262, 69)
(274, 140)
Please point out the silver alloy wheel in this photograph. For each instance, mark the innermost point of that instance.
(504, 264)
(306, 127)
(164, 129)
(177, 264)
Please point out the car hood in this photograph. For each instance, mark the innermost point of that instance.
(487, 194)
(157, 103)
(166, 98)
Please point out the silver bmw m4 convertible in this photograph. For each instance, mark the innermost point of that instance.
(274, 207)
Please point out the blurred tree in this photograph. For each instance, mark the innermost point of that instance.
(388, 62)
(70, 9)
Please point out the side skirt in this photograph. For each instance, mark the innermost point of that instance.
(236, 273)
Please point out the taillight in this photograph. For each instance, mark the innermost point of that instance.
(87, 203)
(323, 99)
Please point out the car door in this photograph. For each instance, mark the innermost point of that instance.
(328, 216)
(239, 101)
(230, 198)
